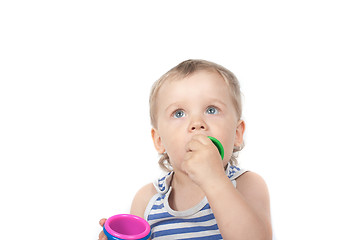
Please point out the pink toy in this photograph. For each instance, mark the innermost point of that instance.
(125, 227)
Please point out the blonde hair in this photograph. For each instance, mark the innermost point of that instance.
(182, 70)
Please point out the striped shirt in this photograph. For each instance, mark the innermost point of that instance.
(195, 223)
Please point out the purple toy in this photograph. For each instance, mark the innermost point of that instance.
(125, 227)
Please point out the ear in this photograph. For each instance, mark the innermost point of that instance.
(239, 133)
(157, 141)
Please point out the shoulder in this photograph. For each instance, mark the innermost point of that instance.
(141, 199)
(254, 189)
(250, 180)
(251, 185)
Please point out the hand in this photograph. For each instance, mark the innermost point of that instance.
(202, 160)
(102, 235)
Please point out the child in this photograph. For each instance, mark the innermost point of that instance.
(202, 196)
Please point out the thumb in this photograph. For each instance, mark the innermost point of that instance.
(102, 221)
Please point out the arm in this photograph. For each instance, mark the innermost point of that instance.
(242, 211)
(141, 199)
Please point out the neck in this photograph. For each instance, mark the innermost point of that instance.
(181, 183)
(185, 193)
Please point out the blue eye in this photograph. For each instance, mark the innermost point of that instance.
(212, 110)
(179, 114)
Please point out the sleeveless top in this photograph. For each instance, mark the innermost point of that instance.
(195, 223)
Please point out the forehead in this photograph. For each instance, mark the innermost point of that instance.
(201, 85)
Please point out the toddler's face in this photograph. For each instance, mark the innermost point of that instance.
(198, 104)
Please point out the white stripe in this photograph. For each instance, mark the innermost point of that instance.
(162, 210)
(150, 204)
(185, 225)
(189, 235)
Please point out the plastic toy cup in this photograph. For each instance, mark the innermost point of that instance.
(219, 146)
(126, 226)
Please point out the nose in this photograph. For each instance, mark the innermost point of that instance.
(197, 124)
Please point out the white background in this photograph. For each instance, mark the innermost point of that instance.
(75, 77)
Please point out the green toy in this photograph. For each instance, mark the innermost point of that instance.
(219, 146)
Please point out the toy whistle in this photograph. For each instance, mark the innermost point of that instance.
(219, 146)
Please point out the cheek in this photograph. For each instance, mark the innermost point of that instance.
(170, 140)
(229, 138)
(228, 151)
(174, 144)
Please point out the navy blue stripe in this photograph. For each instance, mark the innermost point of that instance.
(160, 198)
(159, 215)
(183, 230)
(184, 220)
(155, 207)
(213, 237)
(206, 207)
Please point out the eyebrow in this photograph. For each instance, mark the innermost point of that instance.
(172, 105)
(218, 101)
(177, 104)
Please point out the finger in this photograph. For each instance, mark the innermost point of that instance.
(102, 236)
(198, 141)
(193, 145)
(102, 221)
(201, 138)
